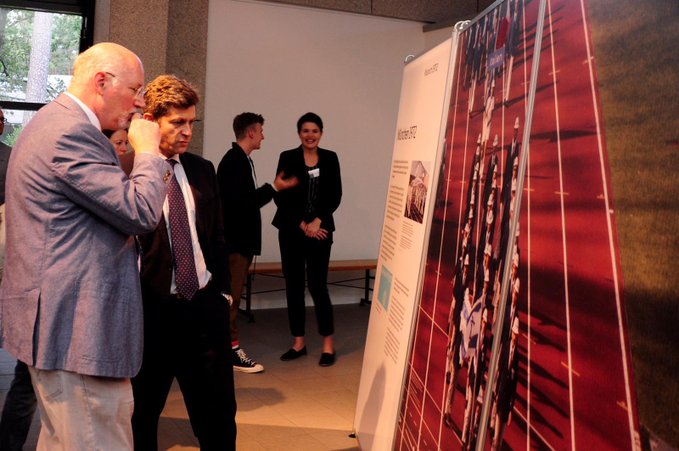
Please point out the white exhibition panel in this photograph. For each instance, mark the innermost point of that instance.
(417, 148)
(282, 61)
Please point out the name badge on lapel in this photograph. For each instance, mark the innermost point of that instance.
(313, 173)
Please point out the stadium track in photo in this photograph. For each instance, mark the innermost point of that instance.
(574, 388)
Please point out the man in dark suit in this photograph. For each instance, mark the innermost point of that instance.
(241, 200)
(185, 287)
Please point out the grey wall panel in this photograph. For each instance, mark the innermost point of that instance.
(187, 52)
(144, 32)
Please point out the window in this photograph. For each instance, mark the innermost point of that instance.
(39, 41)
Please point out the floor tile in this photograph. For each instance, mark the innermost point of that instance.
(291, 405)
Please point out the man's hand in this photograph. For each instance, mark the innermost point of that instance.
(144, 136)
(227, 297)
(282, 183)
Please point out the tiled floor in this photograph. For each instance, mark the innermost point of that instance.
(292, 405)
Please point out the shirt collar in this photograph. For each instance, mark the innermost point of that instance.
(90, 114)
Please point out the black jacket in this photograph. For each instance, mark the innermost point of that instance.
(292, 202)
(241, 202)
(156, 265)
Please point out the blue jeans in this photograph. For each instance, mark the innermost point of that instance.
(17, 414)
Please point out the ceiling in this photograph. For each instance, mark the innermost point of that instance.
(435, 13)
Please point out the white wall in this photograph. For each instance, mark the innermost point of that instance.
(282, 61)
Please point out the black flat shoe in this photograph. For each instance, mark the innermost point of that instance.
(327, 359)
(291, 354)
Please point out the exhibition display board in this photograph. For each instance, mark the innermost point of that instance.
(519, 336)
(473, 256)
(407, 214)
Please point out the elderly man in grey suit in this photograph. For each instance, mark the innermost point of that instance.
(70, 296)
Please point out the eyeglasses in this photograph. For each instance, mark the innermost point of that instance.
(138, 92)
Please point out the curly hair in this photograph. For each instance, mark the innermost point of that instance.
(168, 91)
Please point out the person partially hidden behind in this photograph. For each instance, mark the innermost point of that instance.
(20, 402)
(70, 293)
(305, 224)
(119, 140)
(241, 200)
(185, 287)
(5, 152)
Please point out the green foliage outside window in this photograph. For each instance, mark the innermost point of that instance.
(17, 37)
(53, 41)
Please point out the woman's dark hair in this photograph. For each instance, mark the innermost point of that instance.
(310, 117)
(109, 133)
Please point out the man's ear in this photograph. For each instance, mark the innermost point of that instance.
(149, 117)
(99, 82)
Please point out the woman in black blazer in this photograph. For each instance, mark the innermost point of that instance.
(305, 228)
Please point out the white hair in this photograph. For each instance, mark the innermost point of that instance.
(102, 57)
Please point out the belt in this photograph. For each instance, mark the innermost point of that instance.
(182, 298)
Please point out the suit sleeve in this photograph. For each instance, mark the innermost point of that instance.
(219, 257)
(331, 189)
(278, 197)
(290, 202)
(87, 175)
(237, 188)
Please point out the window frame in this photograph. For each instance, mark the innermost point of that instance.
(83, 8)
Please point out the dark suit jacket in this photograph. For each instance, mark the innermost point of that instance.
(292, 202)
(5, 151)
(241, 201)
(156, 267)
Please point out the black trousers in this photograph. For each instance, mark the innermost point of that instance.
(18, 411)
(187, 340)
(300, 255)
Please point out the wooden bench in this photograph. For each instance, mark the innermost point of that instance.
(275, 268)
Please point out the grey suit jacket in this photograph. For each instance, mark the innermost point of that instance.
(70, 295)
